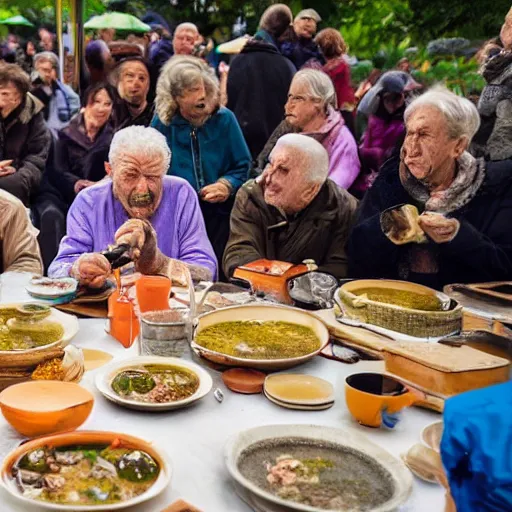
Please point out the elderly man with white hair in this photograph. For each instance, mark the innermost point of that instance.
(292, 212)
(157, 215)
(185, 38)
(463, 234)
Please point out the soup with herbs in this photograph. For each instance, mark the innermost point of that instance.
(316, 473)
(254, 339)
(151, 383)
(85, 475)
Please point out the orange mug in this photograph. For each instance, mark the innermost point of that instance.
(153, 293)
(370, 395)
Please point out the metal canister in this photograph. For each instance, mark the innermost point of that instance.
(164, 333)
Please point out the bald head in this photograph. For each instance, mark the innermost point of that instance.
(298, 167)
(276, 19)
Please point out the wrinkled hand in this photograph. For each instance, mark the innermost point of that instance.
(91, 269)
(81, 184)
(215, 193)
(440, 229)
(141, 237)
(6, 168)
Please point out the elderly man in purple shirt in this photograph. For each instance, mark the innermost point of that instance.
(158, 216)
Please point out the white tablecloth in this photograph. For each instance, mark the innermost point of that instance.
(194, 437)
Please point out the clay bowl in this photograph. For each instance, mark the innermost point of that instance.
(42, 407)
(85, 437)
(260, 312)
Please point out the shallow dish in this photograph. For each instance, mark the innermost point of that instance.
(400, 477)
(48, 288)
(109, 372)
(297, 407)
(71, 327)
(299, 389)
(432, 434)
(260, 312)
(42, 407)
(84, 438)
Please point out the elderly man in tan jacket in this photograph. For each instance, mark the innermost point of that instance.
(18, 238)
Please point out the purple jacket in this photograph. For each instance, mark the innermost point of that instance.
(335, 137)
(96, 215)
(380, 140)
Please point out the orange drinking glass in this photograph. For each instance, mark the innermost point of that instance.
(153, 293)
(124, 324)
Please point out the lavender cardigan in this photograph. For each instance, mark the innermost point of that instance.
(96, 215)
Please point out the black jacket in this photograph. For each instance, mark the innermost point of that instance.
(258, 83)
(121, 117)
(481, 251)
(25, 139)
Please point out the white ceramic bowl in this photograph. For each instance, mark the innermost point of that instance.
(108, 373)
(402, 478)
(261, 312)
(71, 327)
(86, 437)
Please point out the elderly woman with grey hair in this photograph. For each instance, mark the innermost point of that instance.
(158, 216)
(462, 234)
(292, 212)
(208, 148)
(311, 110)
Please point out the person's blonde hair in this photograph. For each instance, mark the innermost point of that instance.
(331, 43)
(180, 73)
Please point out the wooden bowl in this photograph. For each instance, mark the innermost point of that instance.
(42, 407)
(85, 437)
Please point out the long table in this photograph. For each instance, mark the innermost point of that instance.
(194, 437)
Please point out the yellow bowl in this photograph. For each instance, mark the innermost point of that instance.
(37, 408)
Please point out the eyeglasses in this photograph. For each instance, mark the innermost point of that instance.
(300, 99)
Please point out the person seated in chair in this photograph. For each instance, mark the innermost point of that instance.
(158, 216)
(292, 212)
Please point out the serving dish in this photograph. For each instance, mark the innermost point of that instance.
(260, 313)
(108, 374)
(87, 438)
(48, 288)
(42, 407)
(398, 477)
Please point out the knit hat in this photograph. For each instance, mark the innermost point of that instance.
(308, 13)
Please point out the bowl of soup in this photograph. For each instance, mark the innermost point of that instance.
(314, 468)
(86, 470)
(268, 337)
(154, 383)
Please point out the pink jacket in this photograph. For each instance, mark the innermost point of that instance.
(336, 138)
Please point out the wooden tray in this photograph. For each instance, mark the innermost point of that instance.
(445, 371)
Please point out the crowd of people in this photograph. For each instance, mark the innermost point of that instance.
(214, 167)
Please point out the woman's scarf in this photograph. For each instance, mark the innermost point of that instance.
(468, 180)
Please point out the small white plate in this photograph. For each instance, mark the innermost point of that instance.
(47, 288)
(105, 378)
(288, 405)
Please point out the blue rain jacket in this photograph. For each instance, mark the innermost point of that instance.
(477, 449)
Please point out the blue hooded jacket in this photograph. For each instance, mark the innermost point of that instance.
(214, 150)
(477, 449)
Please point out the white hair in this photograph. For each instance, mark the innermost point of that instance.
(186, 26)
(139, 140)
(462, 118)
(319, 84)
(312, 155)
(47, 57)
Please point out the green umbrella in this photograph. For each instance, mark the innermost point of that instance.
(17, 20)
(119, 21)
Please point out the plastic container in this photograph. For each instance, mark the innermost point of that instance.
(124, 324)
(153, 293)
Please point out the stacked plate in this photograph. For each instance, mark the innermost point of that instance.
(299, 391)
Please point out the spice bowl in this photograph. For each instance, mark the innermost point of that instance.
(43, 407)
